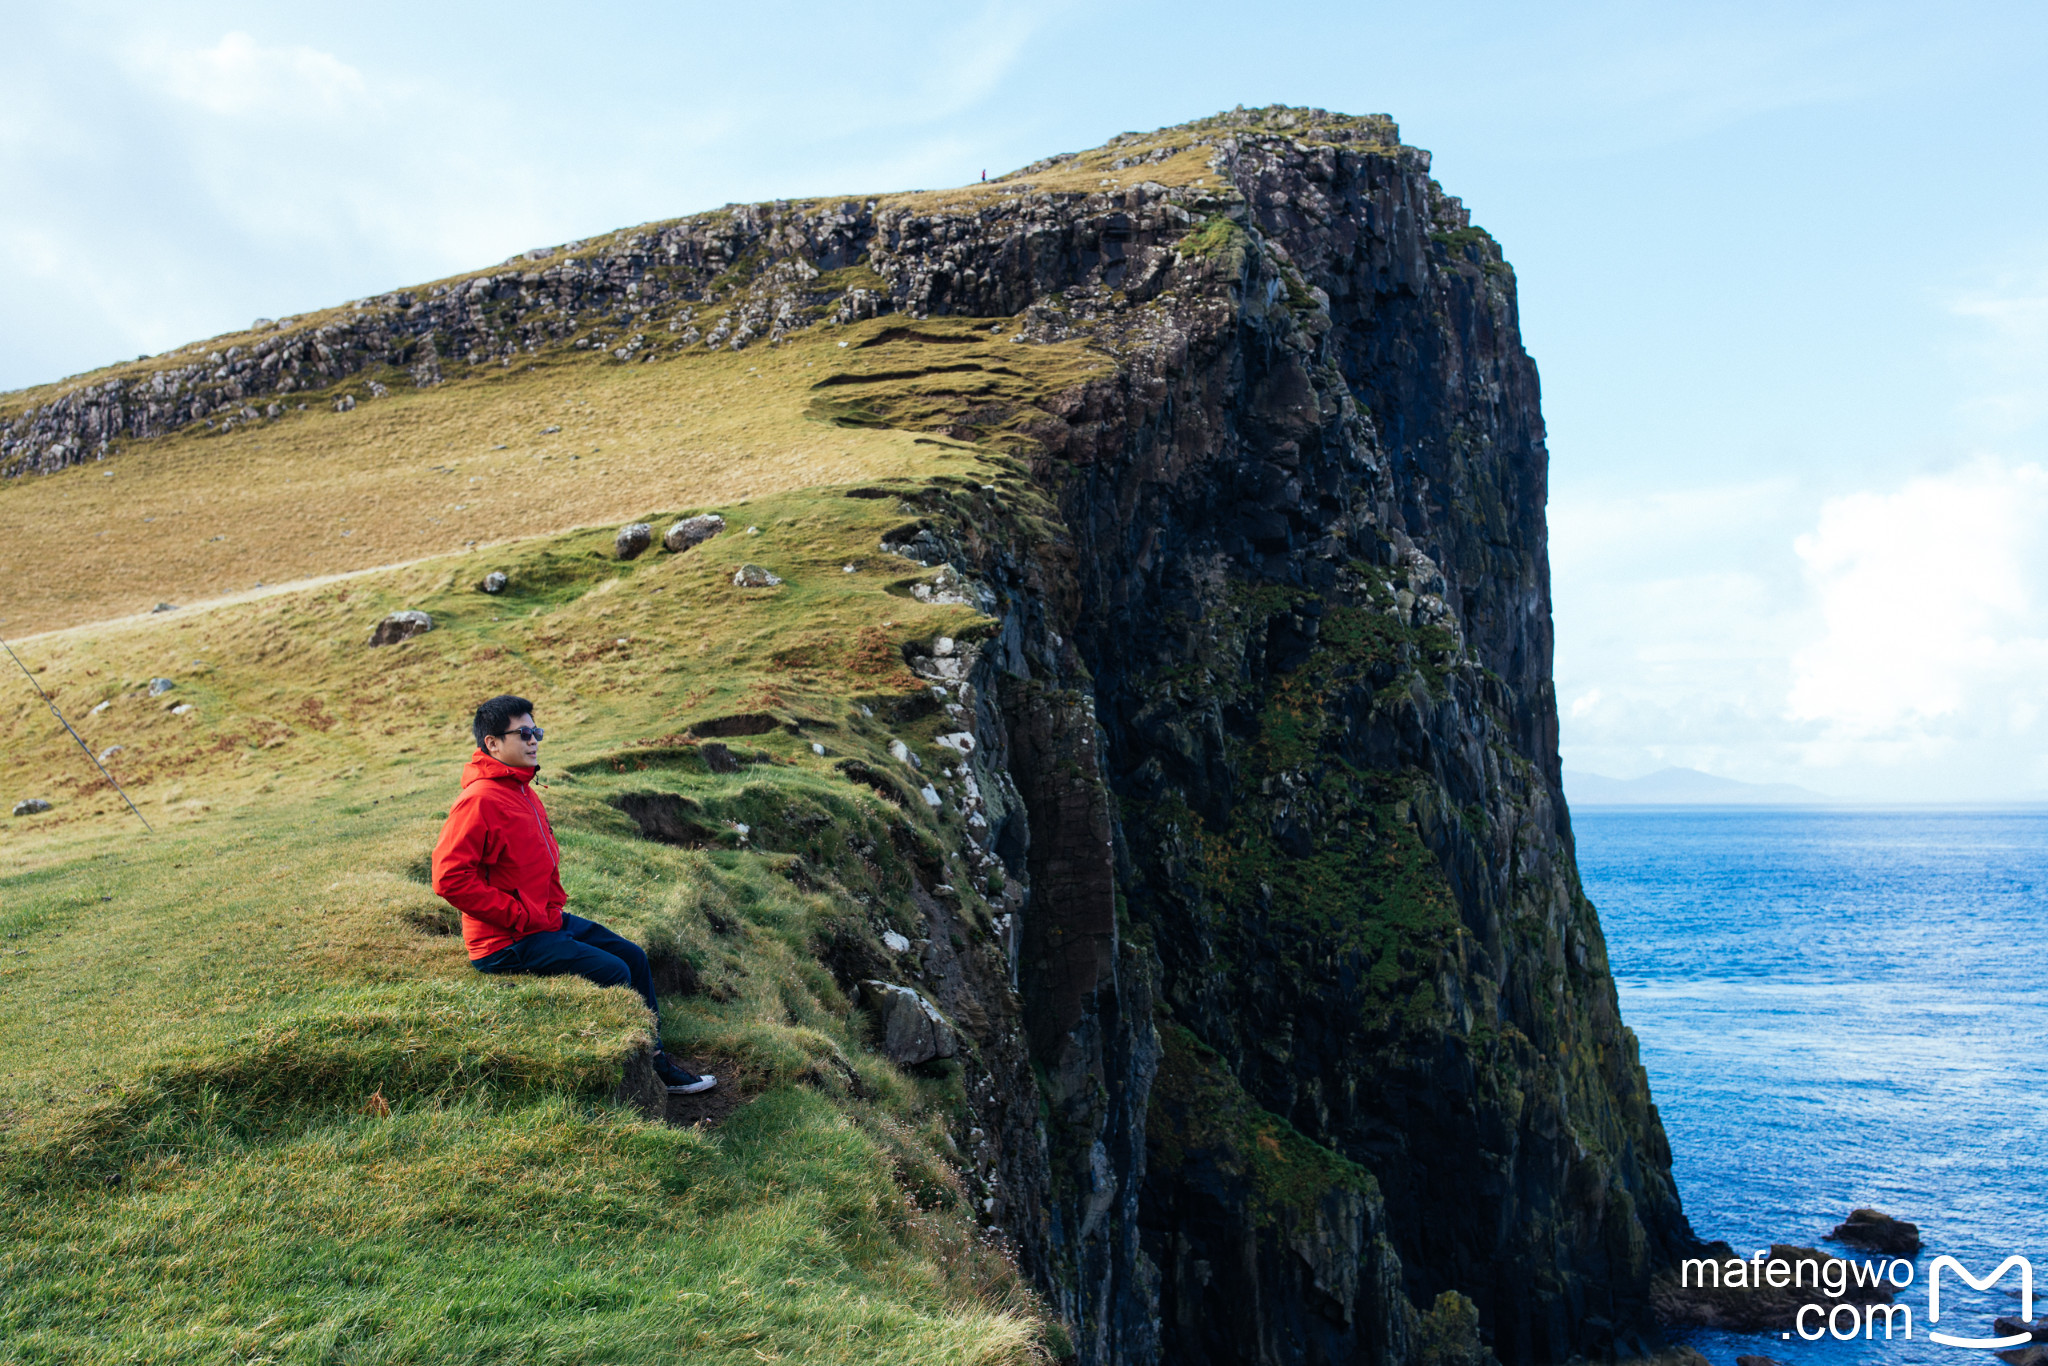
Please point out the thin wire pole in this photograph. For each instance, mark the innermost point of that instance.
(51, 703)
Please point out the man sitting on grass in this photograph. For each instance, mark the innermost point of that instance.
(497, 862)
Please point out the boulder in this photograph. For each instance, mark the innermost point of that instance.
(159, 686)
(30, 806)
(494, 582)
(632, 539)
(913, 1031)
(165, 607)
(754, 576)
(401, 626)
(1876, 1231)
(2010, 1324)
(345, 404)
(693, 531)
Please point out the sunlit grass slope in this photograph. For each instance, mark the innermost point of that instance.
(201, 1029)
(195, 515)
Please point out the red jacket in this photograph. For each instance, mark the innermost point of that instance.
(497, 861)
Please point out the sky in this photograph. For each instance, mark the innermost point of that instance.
(1783, 268)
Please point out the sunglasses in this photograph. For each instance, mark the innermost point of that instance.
(526, 733)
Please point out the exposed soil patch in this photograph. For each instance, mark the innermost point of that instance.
(726, 727)
(667, 817)
(710, 1109)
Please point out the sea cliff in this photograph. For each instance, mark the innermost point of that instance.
(1287, 1034)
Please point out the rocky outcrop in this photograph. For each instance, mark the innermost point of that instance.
(739, 276)
(1875, 1231)
(913, 1031)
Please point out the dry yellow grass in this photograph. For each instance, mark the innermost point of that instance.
(192, 516)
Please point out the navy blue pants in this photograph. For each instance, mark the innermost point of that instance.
(585, 948)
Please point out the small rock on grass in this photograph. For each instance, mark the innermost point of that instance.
(159, 686)
(632, 539)
(754, 576)
(30, 806)
(693, 531)
(401, 626)
(494, 582)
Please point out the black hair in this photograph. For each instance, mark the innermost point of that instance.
(493, 716)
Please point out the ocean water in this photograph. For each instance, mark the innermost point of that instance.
(1842, 1008)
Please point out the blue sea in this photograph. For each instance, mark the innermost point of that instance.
(1842, 1008)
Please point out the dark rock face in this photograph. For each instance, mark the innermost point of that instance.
(1294, 634)
(1315, 605)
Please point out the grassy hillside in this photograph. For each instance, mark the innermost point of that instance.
(255, 1106)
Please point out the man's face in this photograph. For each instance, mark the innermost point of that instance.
(510, 749)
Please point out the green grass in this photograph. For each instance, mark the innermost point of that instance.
(550, 1231)
(200, 1030)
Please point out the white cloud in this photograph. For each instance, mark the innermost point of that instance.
(240, 76)
(1926, 595)
(1887, 643)
(2006, 363)
(1673, 625)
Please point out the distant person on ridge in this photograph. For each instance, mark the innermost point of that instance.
(497, 862)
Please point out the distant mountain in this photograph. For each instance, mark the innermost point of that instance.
(1682, 787)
